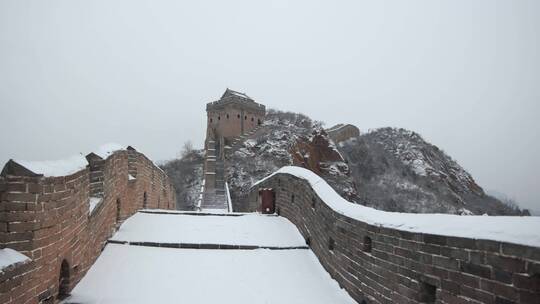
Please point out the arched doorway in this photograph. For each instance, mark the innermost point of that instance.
(63, 281)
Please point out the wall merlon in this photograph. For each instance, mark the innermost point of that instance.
(48, 218)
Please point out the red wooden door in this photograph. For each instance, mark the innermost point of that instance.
(268, 203)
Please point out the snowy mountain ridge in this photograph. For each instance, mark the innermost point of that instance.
(397, 170)
(426, 159)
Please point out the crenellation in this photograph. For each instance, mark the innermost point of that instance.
(48, 218)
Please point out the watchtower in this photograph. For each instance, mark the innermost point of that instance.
(234, 114)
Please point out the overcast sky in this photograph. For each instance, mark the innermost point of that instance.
(464, 74)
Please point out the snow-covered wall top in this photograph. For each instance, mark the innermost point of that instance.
(510, 229)
(68, 165)
(9, 257)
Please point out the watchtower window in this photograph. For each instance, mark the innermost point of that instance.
(331, 244)
(258, 121)
(252, 119)
(245, 117)
(219, 118)
(367, 244)
(238, 116)
(428, 293)
(211, 120)
(292, 198)
(227, 116)
(313, 201)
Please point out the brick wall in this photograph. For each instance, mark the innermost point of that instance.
(49, 220)
(342, 133)
(381, 265)
(230, 120)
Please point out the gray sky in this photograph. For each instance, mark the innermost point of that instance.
(464, 74)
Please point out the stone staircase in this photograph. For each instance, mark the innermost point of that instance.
(215, 195)
(237, 141)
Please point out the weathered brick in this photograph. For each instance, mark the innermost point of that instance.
(528, 297)
(13, 206)
(450, 286)
(435, 239)
(21, 226)
(444, 262)
(521, 251)
(455, 253)
(506, 263)
(477, 294)
(20, 197)
(16, 187)
(461, 242)
(477, 270)
(499, 289)
(526, 281)
(487, 245)
(34, 188)
(502, 276)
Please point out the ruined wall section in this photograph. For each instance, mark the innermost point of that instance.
(341, 132)
(382, 265)
(50, 220)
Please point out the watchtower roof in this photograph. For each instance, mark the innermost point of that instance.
(231, 93)
(237, 98)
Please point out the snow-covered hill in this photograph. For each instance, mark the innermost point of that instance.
(397, 170)
(389, 168)
(264, 152)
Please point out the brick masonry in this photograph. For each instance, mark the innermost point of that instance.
(48, 219)
(381, 265)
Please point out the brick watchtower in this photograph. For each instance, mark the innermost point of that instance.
(233, 115)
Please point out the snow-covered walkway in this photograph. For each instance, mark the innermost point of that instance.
(140, 274)
(177, 228)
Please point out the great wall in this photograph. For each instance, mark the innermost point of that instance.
(62, 223)
(378, 264)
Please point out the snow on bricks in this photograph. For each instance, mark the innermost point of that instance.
(385, 257)
(59, 214)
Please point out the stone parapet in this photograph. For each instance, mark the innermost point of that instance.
(376, 264)
(54, 221)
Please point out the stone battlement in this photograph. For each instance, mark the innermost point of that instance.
(233, 98)
(378, 259)
(62, 223)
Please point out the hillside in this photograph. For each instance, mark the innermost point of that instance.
(186, 173)
(397, 170)
(389, 168)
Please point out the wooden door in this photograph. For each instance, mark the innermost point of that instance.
(268, 201)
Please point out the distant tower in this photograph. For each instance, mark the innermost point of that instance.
(234, 114)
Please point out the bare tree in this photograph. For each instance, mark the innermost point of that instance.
(187, 149)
